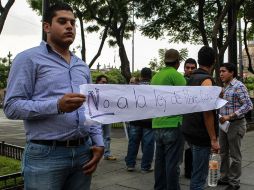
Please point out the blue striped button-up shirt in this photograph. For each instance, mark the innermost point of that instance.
(238, 99)
(38, 78)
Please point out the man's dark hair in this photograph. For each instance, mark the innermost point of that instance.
(100, 77)
(51, 11)
(206, 56)
(146, 73)
(172, 64)
(191, 61)
(230, 67)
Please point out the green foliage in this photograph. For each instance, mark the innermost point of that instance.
(114, 76)
(4, 71)
(36, 5)
(249, 82)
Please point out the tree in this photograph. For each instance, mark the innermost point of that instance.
(4, 70)
(119, 26)
(248, 33)
(197, 21)
(4, 12)
(114, 76)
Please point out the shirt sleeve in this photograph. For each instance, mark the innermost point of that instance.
(95, 131)
(18, 100)
(244, 99)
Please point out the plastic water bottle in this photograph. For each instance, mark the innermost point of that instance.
(214, 170)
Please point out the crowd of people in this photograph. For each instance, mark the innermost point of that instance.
(43, 90)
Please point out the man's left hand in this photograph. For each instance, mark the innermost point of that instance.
(91, 166)
(224, 118)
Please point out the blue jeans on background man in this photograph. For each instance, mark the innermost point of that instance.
(200, 164)
(106, 130)
(55, 167)
(168, 152)
(144, 136)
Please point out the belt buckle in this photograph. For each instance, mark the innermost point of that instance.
(68, 144)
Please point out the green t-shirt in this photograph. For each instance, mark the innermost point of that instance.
(168, 76)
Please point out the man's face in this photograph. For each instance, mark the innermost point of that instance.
(62, 30)
(103, 81)
(188, 68)
(225, 75)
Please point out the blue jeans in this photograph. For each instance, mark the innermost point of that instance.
(106, 130)
(167, 159)
(200, 163)
(55, 168)
(145, 136)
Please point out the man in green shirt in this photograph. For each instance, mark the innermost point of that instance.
(167, 130)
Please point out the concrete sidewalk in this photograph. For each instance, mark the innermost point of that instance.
(112, 175)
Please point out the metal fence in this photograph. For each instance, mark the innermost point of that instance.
(12, 181)
(11, 151)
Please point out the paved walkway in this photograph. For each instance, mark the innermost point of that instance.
(112, 175)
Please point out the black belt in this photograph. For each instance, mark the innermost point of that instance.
(68, 143)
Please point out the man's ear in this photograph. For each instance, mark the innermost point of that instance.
(46, 27)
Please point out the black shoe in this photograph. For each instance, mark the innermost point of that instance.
(232, 187)
(222, 182)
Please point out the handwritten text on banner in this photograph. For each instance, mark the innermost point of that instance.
(109, 103)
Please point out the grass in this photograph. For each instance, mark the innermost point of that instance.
(9, 166)
(117, 125)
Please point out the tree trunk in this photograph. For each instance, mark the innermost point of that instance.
(83, 42)
(104, 36)
(125, 63)
(201, 24)
(4, 12)
(246, 46)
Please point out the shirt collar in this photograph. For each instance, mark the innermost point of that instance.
(49, 49)
(233, 82)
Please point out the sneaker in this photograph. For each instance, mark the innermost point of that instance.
(110, 158)
(130, 169)
(144, 171)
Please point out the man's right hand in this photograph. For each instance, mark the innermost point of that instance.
(70, 102)
(215, 146)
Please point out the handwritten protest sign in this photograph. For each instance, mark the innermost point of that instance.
(109, 103)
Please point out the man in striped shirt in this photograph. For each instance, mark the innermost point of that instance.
(237, 106)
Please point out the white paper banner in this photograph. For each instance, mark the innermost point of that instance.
(109, 103)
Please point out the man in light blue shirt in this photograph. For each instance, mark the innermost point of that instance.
(43, 90)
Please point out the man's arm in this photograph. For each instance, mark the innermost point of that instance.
(244, 99)
(95, 133)
(20, 88)
(209, 122)
(246, 104)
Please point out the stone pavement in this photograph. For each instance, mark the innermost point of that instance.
(112, 175)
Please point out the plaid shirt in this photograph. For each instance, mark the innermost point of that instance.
(238, 99)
